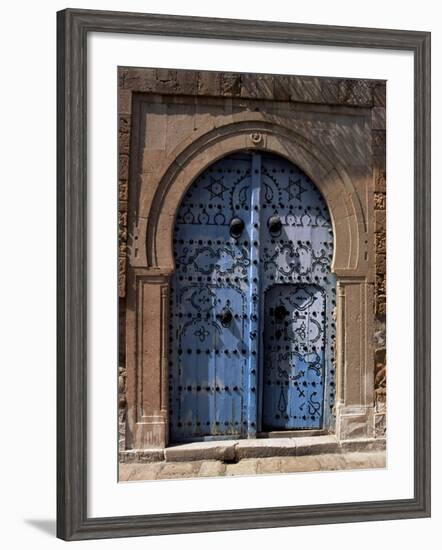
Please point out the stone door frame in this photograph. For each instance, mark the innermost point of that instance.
(153, 204)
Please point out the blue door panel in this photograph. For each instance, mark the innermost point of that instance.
(296, 252)
(208, 313)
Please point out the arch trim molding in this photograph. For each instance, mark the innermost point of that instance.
(343, 202)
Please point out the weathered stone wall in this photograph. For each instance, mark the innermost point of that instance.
(380, 198)
(124, 128)
(339, 115)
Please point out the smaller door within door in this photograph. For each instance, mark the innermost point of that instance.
(294, 366)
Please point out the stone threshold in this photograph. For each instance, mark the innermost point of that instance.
(231, 451)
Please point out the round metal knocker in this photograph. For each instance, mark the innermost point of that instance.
(280, 313)
(236, 228)
(275, 226)
(225, 317)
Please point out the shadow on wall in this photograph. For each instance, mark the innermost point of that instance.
(47, 526)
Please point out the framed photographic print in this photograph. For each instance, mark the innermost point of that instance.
(244, 238)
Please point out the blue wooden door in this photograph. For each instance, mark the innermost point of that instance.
(251, 299)
(210, 340)
(298, 289)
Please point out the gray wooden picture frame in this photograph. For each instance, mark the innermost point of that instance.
(73, 27)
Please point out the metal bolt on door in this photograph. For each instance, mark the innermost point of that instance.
(252, 295)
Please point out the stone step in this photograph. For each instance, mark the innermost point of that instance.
(231, 451)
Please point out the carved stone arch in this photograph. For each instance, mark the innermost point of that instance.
(148, 274)
(348, 219)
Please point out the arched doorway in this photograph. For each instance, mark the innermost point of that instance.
(252, 299)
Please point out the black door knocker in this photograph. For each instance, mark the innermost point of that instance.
(275, 226)
(236, 228)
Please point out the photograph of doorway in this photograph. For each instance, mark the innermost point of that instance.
(252, 269)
